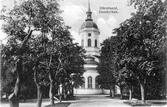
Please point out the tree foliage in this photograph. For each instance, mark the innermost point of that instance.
(140, 56)
(38, 36)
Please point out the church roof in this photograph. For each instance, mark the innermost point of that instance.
(89, 24)
(89, 21)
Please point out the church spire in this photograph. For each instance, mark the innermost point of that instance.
(89, 13)
(89, 10)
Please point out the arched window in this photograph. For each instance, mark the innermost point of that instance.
(95, 43)
(83, 84)
(82, 42)
(89, 82)
(89, 42)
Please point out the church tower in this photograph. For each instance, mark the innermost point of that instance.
(89, 34)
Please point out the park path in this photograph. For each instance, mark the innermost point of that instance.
(83, 101)
(97, 101)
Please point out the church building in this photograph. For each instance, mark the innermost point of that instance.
(89, 34)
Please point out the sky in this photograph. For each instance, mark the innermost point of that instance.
(74, 14)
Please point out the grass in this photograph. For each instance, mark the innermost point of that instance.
(62, 104)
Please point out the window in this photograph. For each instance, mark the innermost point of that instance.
(95, 43)
(89, 82)
(89, 34)
(82, 42)
(89, 42)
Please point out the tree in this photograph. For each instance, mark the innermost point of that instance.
(21, 21)
(141, 42)
(39, 37)
(106, 66)
(66, 53)
(136, 54)
(18, 70)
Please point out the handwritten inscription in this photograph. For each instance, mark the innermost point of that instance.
(103, 9)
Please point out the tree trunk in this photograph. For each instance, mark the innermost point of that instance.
(111, 91)
(39, 89)
(142, 92)
(121, 91)
(64, 92)
(60, 92)
(72, 91)
(39, 96)
(13, 98)
(51, 93)
(130, 94)
(51, 83)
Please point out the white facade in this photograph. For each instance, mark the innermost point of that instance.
(89, 34)
(90, 75)
(89, 39)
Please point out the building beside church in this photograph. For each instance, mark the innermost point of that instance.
(89, 34)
